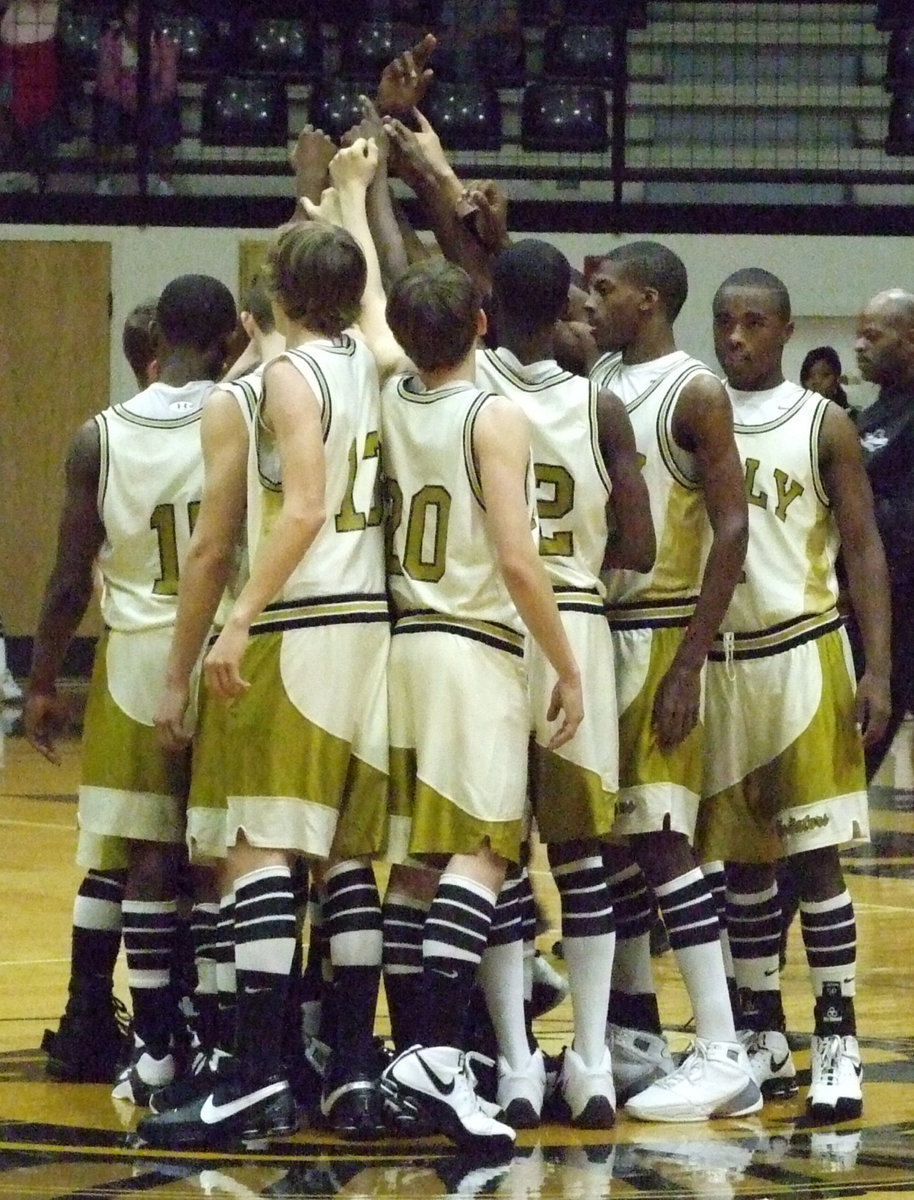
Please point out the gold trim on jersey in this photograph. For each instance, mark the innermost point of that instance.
(673, 389)
(787, 415)
(574, 599)
(777, 638)
(651, 614)
(324, 398)
(665, 434)
(419, 395)
(322, 610)
(815, 428)
(593, 420)
(245, 394)
(439, 827)
(104, 460)
(501, 637)
(525, 385)
(469, 454)
(154, 422)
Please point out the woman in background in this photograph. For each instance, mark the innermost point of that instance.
(821, 372)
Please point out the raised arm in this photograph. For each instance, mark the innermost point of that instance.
(421, 162)
(352, 170)
(501, 441)
(383, 221)
(80, 535)
(293, 412)
(848, 488)
(211, 556)
(632, 544)
(703, 425)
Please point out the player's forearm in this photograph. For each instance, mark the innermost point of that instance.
(721, 575)
(529, 588)
(64, 606)
(868, 586)
(385, 230)
(205, 574)
(355, 217)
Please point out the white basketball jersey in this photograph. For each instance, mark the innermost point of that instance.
(441, 560)
(572, 485)
(789, 573)
(346, 557)
(649, 392)
(149, 487)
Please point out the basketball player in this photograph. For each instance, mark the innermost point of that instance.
(213, 571)
(583, 450)
(663, 625)
(134, 476)
(784, 774)
(301, 662)
(465, 578)
(90, 1044)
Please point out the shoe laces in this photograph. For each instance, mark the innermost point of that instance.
(828, 1056)
(691, 1067)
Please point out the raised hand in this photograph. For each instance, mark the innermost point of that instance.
(327, 210)
(355, 164)
(491, 220)
(309, 159)
(417, 153)
(371, 126)
(404, 81)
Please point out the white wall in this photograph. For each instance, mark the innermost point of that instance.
(829, 278)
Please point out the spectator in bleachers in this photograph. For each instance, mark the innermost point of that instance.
(116, 97)
(29, 83)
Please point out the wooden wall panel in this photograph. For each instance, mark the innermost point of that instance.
(54, 372)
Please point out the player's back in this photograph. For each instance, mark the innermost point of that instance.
(572, 485)
(347, 555)
(441, 558)
(150, 484)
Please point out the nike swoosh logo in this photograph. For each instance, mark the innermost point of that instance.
(776, 1066)
(444, 1089)
(771, 971)
(211, 1112)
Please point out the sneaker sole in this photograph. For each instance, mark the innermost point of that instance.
(846, 1109)
(779, 1089)
(597, 1113)
(520, 1114)
(354, 1111)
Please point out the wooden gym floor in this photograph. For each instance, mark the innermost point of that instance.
(71, 1140)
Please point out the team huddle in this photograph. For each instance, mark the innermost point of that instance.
(409, 588)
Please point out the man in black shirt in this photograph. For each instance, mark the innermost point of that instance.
(885, 355)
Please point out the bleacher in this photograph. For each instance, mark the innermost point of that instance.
(669, 101)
